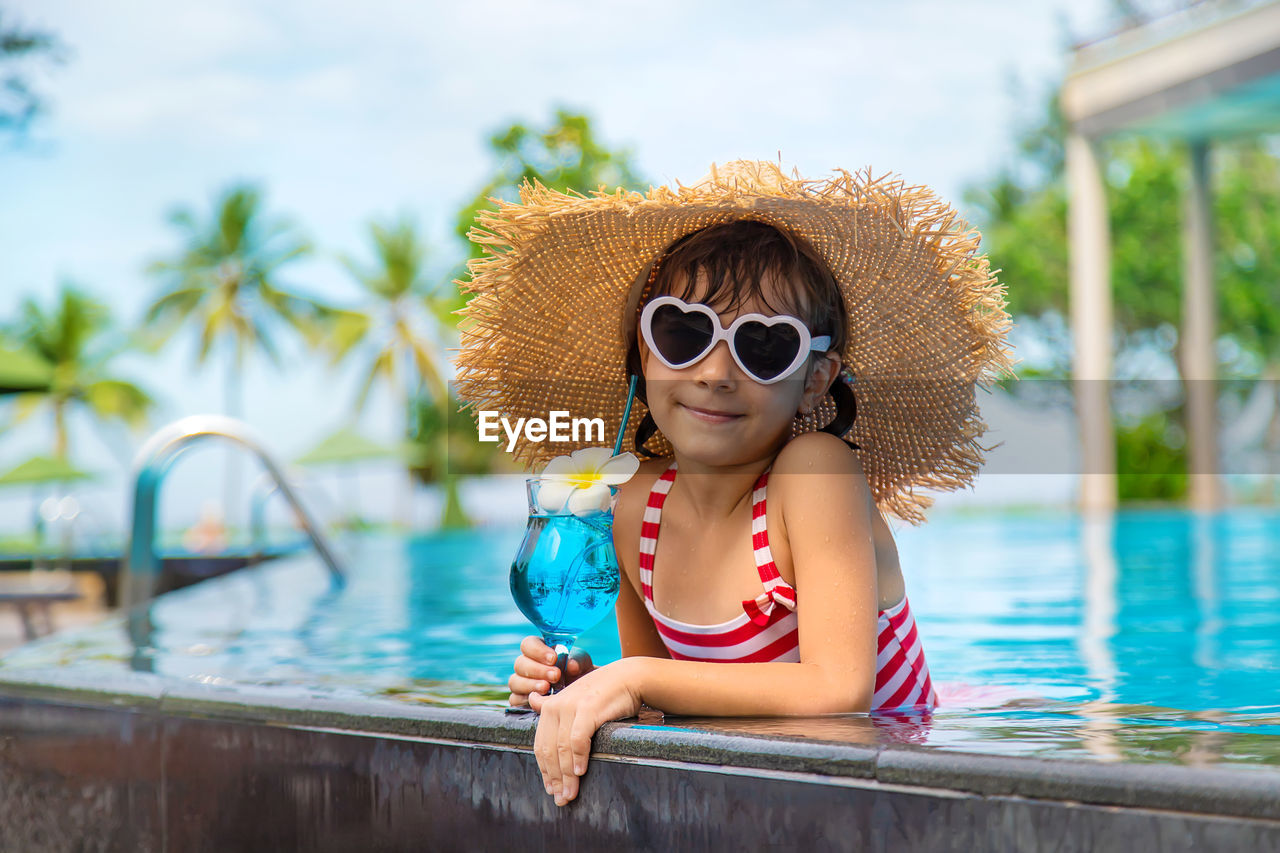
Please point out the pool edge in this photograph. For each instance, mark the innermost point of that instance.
(1252, 793)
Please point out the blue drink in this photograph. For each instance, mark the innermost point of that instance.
(565, 576)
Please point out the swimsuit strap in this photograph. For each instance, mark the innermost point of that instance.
(776, 590)
(649, 528)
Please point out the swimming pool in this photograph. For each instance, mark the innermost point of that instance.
(1041, 629)
(1106, 683)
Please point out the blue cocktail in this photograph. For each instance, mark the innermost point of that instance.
(565, 576)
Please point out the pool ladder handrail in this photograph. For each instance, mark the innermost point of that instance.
(141, 567)
(260, 494)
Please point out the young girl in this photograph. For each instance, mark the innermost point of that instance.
(760, 577)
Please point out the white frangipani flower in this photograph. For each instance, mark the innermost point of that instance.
(580, 481)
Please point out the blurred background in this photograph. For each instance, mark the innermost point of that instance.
(260, 210)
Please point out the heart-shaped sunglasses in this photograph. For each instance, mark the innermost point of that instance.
(768, 349)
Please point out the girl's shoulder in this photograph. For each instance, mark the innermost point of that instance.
(634, 494)
(818, 453)
(791, 479)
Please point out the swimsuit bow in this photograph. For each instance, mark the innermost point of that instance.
(776, 591)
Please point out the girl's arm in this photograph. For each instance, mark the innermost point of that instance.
(826, 519)
(636, 632)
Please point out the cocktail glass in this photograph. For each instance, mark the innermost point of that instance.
(565, 576)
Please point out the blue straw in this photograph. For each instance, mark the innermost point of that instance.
(626, 415)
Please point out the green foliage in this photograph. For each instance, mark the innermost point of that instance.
(20, 49)
(76, 337)
(1023, 214)
(445, 449)
(564, 155)
(1247, 269)
(447, 444)
(403, 331)
(408, 319)
(1151, 459)
(223, 282)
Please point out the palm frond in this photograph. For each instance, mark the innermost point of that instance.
(119, 399)
(344, 330)
(382, 366)
(424, 359)
(25, 405)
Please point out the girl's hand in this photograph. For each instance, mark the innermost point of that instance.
(536, 670)
(569, 719)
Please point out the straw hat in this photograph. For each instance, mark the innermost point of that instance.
(543, 330)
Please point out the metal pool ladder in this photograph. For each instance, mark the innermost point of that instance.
(141, 567)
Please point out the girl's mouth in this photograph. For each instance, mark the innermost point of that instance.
(710, 416)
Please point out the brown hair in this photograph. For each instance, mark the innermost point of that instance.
(735, 257)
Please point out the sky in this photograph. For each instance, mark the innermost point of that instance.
(344, 112)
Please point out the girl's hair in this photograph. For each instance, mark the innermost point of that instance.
(735, 258)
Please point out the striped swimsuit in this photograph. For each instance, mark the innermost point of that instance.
(764, 632)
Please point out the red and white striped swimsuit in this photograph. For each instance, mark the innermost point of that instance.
(764, 632)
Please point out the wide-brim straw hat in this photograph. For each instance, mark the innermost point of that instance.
(543, 330)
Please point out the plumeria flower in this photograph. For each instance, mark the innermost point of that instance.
(580, 481)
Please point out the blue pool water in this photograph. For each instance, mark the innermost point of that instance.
(1154, 616)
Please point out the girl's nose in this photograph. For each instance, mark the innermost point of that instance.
(717, 370)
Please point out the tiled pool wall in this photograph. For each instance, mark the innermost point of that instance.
(147, 765)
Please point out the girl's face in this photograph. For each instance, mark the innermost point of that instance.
(714, 413)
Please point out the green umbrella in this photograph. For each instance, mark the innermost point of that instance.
(344, 447)
(43, 469)
(23, 370)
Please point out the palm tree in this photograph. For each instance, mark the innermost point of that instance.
(401, 332)
(404, 322)
(223, 282)
(75, 338)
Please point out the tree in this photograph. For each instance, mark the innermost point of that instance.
(75, 336)
(564, 155)
(403, 331)
(1023, 212)
(404, 324)
(19, 50)
(224, 283)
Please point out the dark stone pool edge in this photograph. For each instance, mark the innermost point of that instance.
(1251, 793)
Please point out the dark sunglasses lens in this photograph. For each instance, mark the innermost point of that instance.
(766, 351)
(680, 336)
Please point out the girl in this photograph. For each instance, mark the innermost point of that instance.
(760, 577)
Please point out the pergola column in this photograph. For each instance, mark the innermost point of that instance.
(1199, 323)
(1089, 238)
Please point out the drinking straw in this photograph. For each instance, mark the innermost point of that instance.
(626, 415)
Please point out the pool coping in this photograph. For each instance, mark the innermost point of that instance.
(1247, 793)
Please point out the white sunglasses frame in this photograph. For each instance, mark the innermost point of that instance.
(808, 344)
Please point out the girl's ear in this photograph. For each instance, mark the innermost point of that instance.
(826, 367)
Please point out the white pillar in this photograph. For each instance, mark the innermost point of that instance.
(1089, 245)
(1199, 324)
